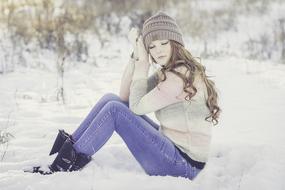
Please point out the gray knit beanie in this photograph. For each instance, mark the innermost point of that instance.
(160, 27)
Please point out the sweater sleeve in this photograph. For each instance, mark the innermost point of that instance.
(163, 94)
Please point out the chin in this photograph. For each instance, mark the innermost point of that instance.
(161, 64)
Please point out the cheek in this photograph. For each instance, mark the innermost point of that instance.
(168, 50)
(152, 53)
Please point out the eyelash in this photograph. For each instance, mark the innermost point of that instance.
(161, 44)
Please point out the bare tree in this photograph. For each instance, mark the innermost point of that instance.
(282, 38)
(61, 50)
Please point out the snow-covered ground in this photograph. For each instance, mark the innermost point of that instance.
(248, 150)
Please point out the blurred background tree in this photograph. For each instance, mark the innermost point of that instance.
(33, 26)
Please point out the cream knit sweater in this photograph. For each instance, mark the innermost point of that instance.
(183, 122)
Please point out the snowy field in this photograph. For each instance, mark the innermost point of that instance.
(248, 149)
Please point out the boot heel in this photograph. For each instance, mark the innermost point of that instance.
(60, 139)
(67, 160)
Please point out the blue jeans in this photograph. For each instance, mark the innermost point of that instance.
(155, 152)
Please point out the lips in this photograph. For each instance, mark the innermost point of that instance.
(160, 57)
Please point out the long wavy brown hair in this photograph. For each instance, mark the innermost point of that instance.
(182, 57)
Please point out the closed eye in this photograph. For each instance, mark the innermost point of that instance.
(164, 43)
(150, 47)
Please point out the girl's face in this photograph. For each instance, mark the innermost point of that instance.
(160, 50)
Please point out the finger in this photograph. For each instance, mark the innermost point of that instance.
(141, 44)
(139, 41)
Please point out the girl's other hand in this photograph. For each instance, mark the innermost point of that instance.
(133, 35)
(142, 53)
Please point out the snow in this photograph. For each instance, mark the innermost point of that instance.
(247, 150)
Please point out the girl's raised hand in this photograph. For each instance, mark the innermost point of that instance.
(142, 58)
(133, 35)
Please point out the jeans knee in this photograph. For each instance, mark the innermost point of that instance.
(113, 97)
(114, 106)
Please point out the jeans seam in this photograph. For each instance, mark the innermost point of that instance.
(168, 158)
(112, 98)
(186, 170)
(122, 113)
(97, 128)
(135, 123)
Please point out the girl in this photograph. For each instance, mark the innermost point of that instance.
(183, 99)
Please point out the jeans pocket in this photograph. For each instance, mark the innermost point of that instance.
(179, 159)
(190, 171)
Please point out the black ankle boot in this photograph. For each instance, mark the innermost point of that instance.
(60, 139)
(67, 160)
